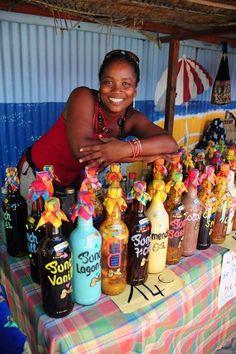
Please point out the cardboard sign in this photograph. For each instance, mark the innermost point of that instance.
(230, 241)
(227, 289)
(156, 288)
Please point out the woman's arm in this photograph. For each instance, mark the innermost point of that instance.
(79, 114)
(154, 140)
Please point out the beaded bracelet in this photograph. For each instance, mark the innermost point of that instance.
(136, 147)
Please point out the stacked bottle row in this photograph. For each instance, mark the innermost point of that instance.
(116, 240)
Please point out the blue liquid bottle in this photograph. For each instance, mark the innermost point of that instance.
(85, 242)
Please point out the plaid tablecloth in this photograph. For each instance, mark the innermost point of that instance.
(186, 322)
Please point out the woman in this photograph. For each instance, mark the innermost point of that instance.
(91, 128)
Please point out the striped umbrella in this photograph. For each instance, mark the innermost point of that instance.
(192, 80)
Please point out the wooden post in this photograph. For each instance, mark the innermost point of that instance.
(171, 85)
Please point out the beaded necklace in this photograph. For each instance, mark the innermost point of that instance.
(103, 124)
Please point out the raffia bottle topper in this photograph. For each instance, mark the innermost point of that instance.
(55, 263)
(85, 242)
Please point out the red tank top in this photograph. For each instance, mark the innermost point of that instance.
(53, 149)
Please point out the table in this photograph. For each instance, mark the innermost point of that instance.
(185, 322)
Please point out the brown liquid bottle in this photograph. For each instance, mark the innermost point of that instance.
(193, 213)
(177, 218)
(139, 236)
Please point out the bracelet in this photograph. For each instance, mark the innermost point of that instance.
(136, 147)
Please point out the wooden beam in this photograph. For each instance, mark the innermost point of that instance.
(194, 35)
(219, 5)
(171, 85)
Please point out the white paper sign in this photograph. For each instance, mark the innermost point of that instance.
(227, 289)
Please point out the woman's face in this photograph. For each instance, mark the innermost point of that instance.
(117, 86)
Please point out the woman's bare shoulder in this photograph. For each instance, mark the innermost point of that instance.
(80, 95)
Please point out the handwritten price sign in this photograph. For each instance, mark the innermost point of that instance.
(227, 289)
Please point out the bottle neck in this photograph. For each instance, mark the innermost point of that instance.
(192, 191)
(138, 207)
(116, 214)
(85, 224)
(175, 196)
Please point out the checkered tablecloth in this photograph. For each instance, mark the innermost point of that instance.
(185, 322)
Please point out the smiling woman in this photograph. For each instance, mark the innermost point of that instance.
(92, 126)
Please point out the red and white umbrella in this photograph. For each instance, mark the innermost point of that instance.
(192, 80)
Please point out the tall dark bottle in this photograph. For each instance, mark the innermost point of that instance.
(34, 237)
(69, 200)
(15, 215)
(139, 236)
(208, 202)
(55, 264)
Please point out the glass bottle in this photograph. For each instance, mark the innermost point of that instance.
(14, 209)
(115, 235)
(129, 198)
(177, 218)
(223, 203)
(139, 236)
(68, 226)
(208, 202)
(232, 191)
(193, 213)
(55, 264)
(34, 237)
(159, 219)
(85, 242)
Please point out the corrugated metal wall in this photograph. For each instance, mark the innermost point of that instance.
(40, 64)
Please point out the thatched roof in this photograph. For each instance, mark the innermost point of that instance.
(181, 19)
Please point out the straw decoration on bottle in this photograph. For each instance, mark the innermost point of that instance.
(114, 176)
(50, 170)
(12, 178)
(113, 199)
(139, 192)
(52, 214)
(158, 190)
(177, 183)
(192, 178)
(46, 178)
(208, 175)
(91, 180)
(159, 169)
(41, 187)
(84, 207)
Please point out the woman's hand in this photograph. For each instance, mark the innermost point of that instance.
(104, 154)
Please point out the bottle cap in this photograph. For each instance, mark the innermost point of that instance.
(177, 177)
(70, 190)
(114, 192)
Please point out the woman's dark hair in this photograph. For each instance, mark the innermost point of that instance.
(125, 55)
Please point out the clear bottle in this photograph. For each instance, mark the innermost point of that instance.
(139, 236)
(85, 242)
(159, 228)
(34, 238)
(115, 236)
(69, 200)
(55, 264)
(14, 209)
(193, 213)
(177, 218)
(208, 202)
(223, 203)
(232, 191)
